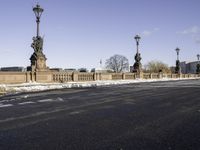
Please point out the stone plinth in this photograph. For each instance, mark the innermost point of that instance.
(38, 62)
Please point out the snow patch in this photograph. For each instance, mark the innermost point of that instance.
(59, 99)
(45, 100)
(6, 105)
(24, 103)
(33, 86)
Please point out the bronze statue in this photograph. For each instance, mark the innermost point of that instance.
(37, 44)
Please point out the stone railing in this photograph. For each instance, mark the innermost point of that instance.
(130, 76)
(117, 76)
(14, 77)
(86, 77)
(61, 77)
(81, 77)
(147, 76)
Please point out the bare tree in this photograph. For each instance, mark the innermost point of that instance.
(157, 66)
(117, 63)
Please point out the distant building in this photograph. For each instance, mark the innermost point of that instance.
(56, 69)
(70, 70)
(101, 70)
(188, 67)
(82, 70)
(13, 69)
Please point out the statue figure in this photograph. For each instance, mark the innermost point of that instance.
(37, 44)
(138, 57)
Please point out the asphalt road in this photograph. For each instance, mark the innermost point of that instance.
(142, 116)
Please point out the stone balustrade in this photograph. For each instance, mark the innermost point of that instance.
(117, 76)
(147, 76)
(61, 77)
(86, 76)
(130, 76)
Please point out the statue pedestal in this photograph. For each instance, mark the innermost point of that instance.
(38, 62)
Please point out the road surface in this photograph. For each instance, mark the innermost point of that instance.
(141, 116)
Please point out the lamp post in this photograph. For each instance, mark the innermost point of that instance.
(177, 68)
(137, 67)
(38, 12)
(198, 65)
(137, 39)
(37, 44)
(38, 59)
(177, 51)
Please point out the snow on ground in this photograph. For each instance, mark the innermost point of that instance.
(33, 86)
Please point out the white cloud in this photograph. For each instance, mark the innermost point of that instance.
(197, 40)
(149, 32)
(192, 30)
(146, 33)
(6, 51)
(156, 29)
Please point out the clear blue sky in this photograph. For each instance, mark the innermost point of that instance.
(78, 33)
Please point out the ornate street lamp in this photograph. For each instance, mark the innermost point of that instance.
(38, 59)
(137, 39)
(37, 44)
(198, 65)
(38, 12)
(177, 51)
(177, 68)
(137, 67)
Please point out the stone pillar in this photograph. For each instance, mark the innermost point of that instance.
(75, 76)
(135, 75)
(141, 75)
(28, 76)
(160, 75)
(151, 75)
(123, 76)
(180, 75)
(95, 76)
(33, 79)
(99, 76)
